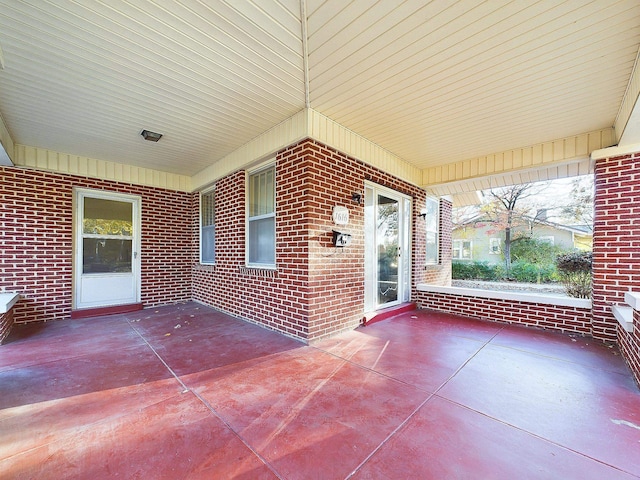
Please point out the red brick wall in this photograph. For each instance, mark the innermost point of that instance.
(629, 343)
(318, 289)
(555, 317)
(616, 238)
(6, 322)
(616, 250)
(275, 299)
(37, 248)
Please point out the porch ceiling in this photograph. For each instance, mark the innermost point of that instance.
(432, 82)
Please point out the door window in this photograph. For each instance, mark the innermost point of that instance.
(107, 236)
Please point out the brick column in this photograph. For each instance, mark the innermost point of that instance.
(616, 238)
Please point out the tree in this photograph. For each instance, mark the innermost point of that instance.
(580, 207)
(510, 207)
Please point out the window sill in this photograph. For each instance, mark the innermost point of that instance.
(504, 295)
(267, 271)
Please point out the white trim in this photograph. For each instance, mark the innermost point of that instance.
(624, 316)
(8, 300)
(208, 191)
(436, 200)
(405, 209)
(633, 300)
(615, 151)
(136, 263)
(267, 165)
(506, 295)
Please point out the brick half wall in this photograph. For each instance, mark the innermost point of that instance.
(567, 319)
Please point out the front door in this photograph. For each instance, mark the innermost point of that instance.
(107, 239)
(387, 250)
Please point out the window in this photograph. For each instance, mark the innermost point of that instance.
(207, 227)
(547, 239)
(432, 229)
(462, 249)
(261, 220)
(495, 246)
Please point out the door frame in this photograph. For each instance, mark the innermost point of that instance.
(78, 216)
(370, 255)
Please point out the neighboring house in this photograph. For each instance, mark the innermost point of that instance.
(480, 240)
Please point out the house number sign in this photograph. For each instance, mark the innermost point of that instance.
(340, 215)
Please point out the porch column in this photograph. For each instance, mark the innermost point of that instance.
(616, 237)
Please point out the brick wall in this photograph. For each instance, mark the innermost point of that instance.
(37, 250)
(555, 317)
(6, 322)
(275, 299)
(616, 250)
(616, 238)
(317, 289)
(629, 343)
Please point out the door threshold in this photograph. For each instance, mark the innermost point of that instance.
(100, 311)
(389, 312)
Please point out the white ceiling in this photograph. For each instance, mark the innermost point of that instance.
(432, 82)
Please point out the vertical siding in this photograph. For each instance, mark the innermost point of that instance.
(48, 160)
(558, 152)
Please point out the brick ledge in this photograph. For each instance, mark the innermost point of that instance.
(624, 316)
(505, 295)
(8, 300)
(632, 299)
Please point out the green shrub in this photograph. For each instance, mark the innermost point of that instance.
(575, 273)
(476, 271)
(531, 273)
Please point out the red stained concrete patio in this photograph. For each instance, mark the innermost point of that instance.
(186, 392)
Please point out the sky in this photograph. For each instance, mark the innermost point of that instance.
(552, 195)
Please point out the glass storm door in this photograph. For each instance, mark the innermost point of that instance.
(107, 244)
(387, 253)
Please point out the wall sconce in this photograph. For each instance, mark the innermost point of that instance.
(423, 214)
(356, 197)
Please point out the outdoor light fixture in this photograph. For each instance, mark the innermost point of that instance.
(356, 197)
(151, 136)
(423, 214)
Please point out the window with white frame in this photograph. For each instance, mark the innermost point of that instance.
(207, 227)
(432, 221)
(495, 246)
(550, 239)
(462, 249)
(261, 219)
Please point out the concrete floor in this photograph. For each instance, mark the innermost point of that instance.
(185, 392)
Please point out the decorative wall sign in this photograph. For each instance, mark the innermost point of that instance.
(340, 215)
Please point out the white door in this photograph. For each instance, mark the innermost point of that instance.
(107, 241)
(387, 247)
